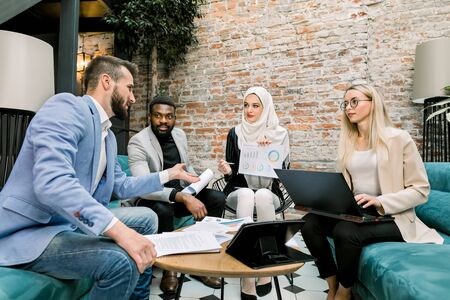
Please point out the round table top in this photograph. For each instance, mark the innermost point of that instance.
(219, 265)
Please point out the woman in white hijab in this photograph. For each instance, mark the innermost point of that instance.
(246, 193)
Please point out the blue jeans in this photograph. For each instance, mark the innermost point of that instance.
(75, 255)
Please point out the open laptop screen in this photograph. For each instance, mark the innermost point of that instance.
(326, 191)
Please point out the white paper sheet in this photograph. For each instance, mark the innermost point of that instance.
(235, 224)
(184, 242)
(196, 187)
(261, 160)
(213, 227)
(295, 242)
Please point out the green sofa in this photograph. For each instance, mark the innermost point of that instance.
(413, 271)
(25, 285)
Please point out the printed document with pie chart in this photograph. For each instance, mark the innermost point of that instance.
(261, 160)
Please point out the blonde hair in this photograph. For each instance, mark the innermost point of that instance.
(378, 121)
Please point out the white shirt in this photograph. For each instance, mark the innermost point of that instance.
(362, 166)
(106, 124)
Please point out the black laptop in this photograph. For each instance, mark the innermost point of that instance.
(263, 244)
(326, 194)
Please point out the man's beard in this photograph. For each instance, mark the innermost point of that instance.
(162, 134)
(116, 103)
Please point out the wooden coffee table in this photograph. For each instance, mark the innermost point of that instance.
(219, 265)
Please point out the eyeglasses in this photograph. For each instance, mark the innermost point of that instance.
(353, 103)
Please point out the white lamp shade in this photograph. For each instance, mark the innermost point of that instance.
(26, 71)
(432, 69)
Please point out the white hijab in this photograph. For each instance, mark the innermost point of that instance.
(267, 126)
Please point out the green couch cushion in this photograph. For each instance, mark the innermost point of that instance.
(436, 211)
(439, 175)
(183, 221)
(397, 270)
(24, 285)
(123, 161)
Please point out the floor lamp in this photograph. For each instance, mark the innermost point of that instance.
(26, 81)
(431, 75)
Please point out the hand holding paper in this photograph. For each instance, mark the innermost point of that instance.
(196, 187)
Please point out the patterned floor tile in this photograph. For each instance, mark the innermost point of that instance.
(311, 283)
(311, 295)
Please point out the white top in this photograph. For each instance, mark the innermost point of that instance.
(362, 167)
(106, 124)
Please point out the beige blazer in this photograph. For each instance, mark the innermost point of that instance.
(404, 185)
(145, 156)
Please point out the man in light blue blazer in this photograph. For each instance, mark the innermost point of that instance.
(53, 214)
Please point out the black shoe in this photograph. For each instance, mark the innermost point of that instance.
(245, 296)
(263, 289)
(212, 282)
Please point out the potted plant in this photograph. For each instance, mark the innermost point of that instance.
(161, 29)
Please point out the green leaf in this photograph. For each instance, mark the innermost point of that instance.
(438, 112)
(169, 24)
(446, 89)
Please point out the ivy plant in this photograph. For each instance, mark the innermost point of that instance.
(162, 30)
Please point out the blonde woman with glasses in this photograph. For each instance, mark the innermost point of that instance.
(383, 168)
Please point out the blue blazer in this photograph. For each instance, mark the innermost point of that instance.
(51, 187)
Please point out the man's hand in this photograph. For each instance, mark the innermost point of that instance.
(140, 249)
(179, 172)
(195, 206)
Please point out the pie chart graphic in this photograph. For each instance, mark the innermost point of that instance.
(273, 155)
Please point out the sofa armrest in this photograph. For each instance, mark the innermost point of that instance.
(439, 175)
(434, 213)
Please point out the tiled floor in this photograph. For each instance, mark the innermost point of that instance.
(307, 286)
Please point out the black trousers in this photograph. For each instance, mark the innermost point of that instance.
(213, 200)
(349, 239)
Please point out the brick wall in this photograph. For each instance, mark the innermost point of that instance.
(94, 44)
(305, 53)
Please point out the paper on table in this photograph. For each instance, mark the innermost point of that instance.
(196, 187)
(213, 219)
(223, 237)
(184, 242)
(213, 227)
(235, 224)
(219, 227)
(295, 242)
